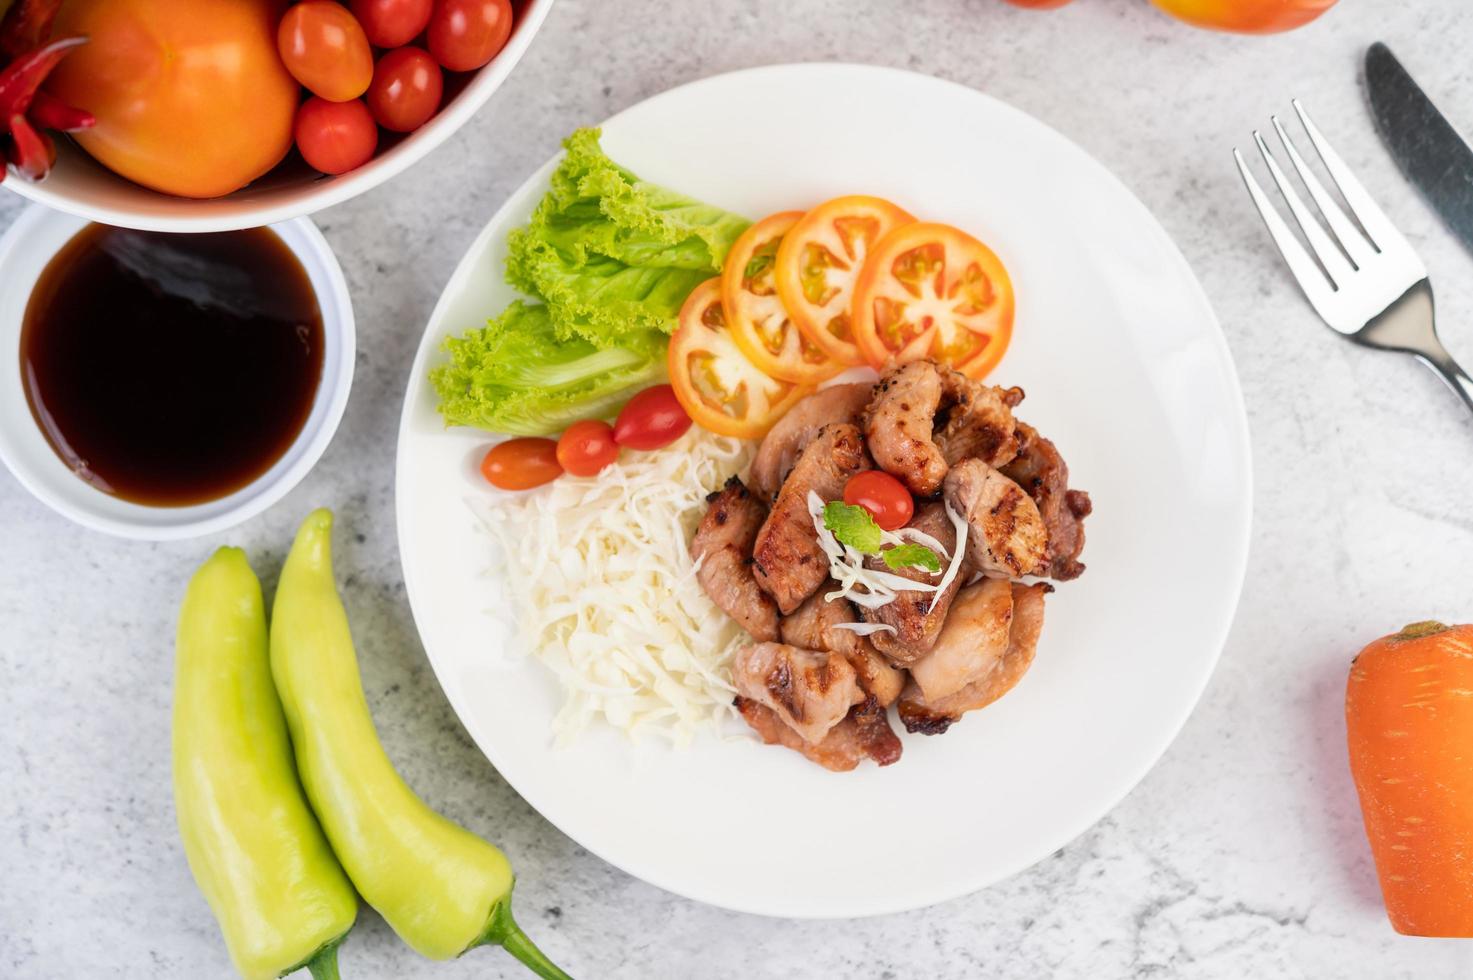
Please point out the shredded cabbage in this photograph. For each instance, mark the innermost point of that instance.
(603, 590)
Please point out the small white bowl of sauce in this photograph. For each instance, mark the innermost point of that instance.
(164, 386)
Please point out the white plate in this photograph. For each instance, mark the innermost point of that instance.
(1125, 369)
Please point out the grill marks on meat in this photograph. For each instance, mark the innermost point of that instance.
(1006, 534)
(815, 626)
(810, 691)
(864, 733)
(824, 691)
(723, 545)
(788, 563)
(916, 629)
(979, 423)
(995, 669)
(973, 642)
(782, 444)
(898, 424)
(925, 419)
(1041, 471)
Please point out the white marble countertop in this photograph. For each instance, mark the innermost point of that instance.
(1240, 855)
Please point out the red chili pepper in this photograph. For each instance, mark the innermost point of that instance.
(26, 26)
(34, 151)
(24, 109)
(20, 79)
(49, 112)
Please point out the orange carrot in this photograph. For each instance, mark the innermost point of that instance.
(1409, 722)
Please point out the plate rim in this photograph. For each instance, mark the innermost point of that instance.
(1237, 562)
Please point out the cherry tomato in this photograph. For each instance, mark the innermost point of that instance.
(325, 49)
(465, 34)
(819, 261)
(335, 137)
(392, 23)
(191, 98)
(521, 464)
(886, 498)
(652, 419)
(1246, 16)
(406, 89)
(929, 290)
(759, 324)
(587, 447)
(716, 384)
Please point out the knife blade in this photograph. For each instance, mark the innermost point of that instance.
(1437, 161)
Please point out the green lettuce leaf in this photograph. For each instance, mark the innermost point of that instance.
(611, 254)
(612, 259)
(517, 376)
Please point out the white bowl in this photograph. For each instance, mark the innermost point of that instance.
(81, 186)
(25, 250)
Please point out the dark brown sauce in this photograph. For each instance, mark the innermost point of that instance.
(171, 369)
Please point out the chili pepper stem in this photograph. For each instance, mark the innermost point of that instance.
(503, 931)
(324, 963)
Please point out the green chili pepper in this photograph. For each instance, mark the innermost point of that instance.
(256, 851)
(441, 888)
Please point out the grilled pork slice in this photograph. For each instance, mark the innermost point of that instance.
(916, 624)
(723, 545)
(787, 560)
(782, 444)
(972, 643)
(898, 423)
(1040, 470)
(979, 421)
(991, 677)
(815, 626)
(865, 733)
(1006, 536)
(810, 691)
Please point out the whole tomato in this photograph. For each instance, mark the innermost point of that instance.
(465, 34)
(335, 137)
(325, 49)
(1246, 16)
(191, 98)
(406, 89)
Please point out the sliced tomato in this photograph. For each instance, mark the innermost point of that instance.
(819, 262)
(755, 314)
(713, 380)
(933, 291)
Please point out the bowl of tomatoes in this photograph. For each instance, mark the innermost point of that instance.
(178, 116)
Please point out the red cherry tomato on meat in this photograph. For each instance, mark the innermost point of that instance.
(325, 49)
(465, 34)
(406, 89)
(587, 447)
(335, 137)
(886, 498)
(392, 23)
(653, 419)
(521, 464)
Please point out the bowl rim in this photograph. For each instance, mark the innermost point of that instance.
(330, 190)
(328, 405)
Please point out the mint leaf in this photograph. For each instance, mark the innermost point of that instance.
(853, 526)
(904, 555)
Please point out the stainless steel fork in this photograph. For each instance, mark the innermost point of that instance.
(1365, 282)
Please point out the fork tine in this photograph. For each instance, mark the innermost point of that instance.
(1355, 244)
(1331, 258)
(1382, 232)
(1308, 274)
